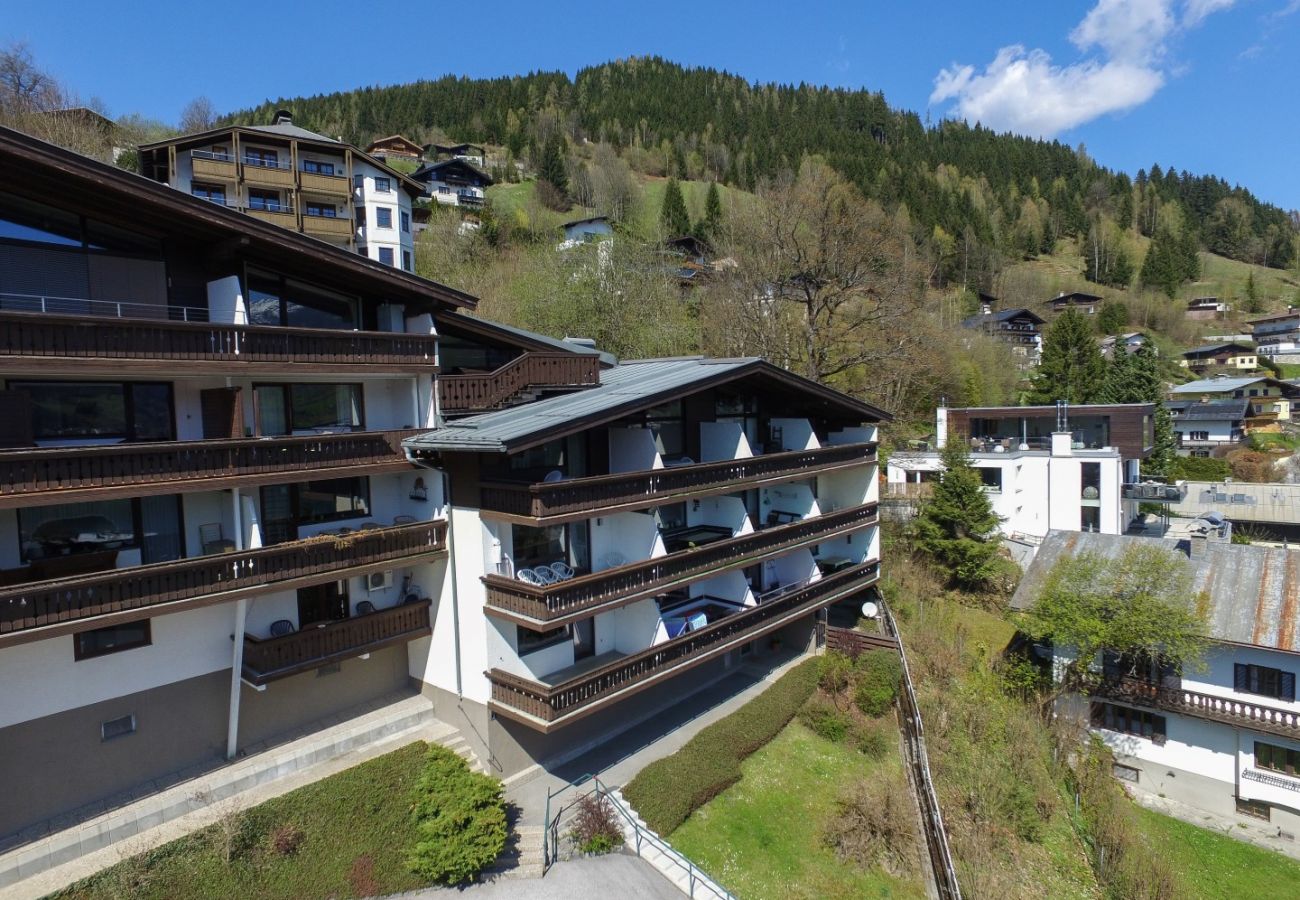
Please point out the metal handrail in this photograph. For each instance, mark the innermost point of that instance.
(277, 208)
(81, 306)
(263, 164)
(208, 154)
(220, 201)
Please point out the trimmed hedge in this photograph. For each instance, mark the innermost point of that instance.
(668, 790)
(460, 817)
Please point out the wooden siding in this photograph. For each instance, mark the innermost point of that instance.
(1126, 422)
(493, 390)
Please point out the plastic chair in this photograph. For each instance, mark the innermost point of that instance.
(553, 476)
(527, 576)
(281, 627)
(562, 570)
(545, 575)
(403, 520)
(365, 608)
(612, 560)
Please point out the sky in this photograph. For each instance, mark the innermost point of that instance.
(1203, 85)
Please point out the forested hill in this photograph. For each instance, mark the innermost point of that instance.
(998, 193)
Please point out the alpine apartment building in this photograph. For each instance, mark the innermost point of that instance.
(297, 179)
(250, 481)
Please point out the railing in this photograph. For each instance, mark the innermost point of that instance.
(936, 836)
(854, 643)
(217, 199)
(1229, 710)
(268, 659)
(65, 470)
(208, 154)
(310, 561)
(634, 580)
(1272, 780)
(261, 163)
(598, 492)
(909, 490)
(26, 335)
(551, 703)
(114, 309)
(478, 393)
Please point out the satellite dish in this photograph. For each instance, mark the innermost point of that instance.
(870, 610)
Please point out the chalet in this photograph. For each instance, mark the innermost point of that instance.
(1130, 341)
(395, 147)
(1205, 308)
(585, 231)
(1202, 426)
(1231, 355)
(1278, 335)
(987, 303)
(1021, 329)
(474, 154)
(454, 182)
(1084, 303)
(1270, 398)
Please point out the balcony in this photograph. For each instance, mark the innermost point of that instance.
(577, 497)
(1228, 710)
(465, 394)
(67, 474)
(546, 706)
(281, 214)
(327, 226)
(219, 166)
(576, 598)
(331, 185)
(61, 606)
(276, 175)
(269, 659)
(60, 344)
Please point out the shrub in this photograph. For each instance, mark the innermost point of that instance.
(596, 827)
(670, 789)
(872, 739)
(875, 824)
(879, 673)
(834, 672)
(460, 819)
(286, 839)
(824, 720)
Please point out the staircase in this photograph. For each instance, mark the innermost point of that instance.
(522, 857)
(688, 877)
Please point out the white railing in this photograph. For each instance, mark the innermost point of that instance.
(208, 154)
(1277, 781)
(81, 306)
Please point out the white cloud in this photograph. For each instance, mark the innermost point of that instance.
(1022, 90)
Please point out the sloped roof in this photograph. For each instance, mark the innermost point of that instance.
(1003, 315)
(1251, 588)
(1212, 410)
(1208, 349)
(431, 169)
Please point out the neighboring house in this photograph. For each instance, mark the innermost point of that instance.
(988, 303)
(248, 536)
(690, 263)
(1270, 398)
(1021, 329)
(1040, 477)
(1203, 426)
(470, 153)
(1130, 342)
(297, 179)
(1278, 336)
(1231, 355)
(1206, 308)
(396, 147)
(585, 231)
(1084, 303)
(1223, 738)
(454, 182)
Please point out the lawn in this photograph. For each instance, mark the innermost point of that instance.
(355, 826)
(1213, 865)
(762, 837)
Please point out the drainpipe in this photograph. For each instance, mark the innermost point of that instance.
(451, 561)
(237, 655)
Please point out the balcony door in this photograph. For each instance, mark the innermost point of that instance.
(584, 639)
(322, 603)
(223, 413)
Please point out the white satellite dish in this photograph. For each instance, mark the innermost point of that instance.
(870, 610)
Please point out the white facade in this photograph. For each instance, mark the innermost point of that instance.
(383, 212)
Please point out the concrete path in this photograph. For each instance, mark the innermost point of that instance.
(609, 877)
(1261, 834)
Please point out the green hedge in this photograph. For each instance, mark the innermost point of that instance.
(668, 790)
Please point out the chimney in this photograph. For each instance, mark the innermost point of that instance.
(283, 117)
(941, 426)
(1197, 542)
(589, 343)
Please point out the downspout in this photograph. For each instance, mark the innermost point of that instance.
(451, 560)
(237, 656)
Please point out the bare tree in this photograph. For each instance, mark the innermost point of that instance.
(615, 191)
(24, 86)
(198, 115)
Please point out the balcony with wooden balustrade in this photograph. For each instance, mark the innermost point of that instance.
(537, 371)
(553, 702)
(40, 609)
(1214, 708)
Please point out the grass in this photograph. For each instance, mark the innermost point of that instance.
(1279, 442)
(356, 829)
(762, 837)
(1214, 866)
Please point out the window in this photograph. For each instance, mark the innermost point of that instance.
(386, 255)
(277, 301)
(359, 182)
(406, 221)
(267, 159)
(383, 184)
(992, 479)
(214, 192)
(1090, 518)
(1256, 809)
(221, 153)
(1198, 436)
(102, 526)
(529, 641)
(1265, 681)
(319, 208)
(665, 422)
(113, 639)
(286, 408)
(266, 200)
(383, 217)
(534, 545)
(1125, 773)
(63, 410)
(361, 217)
(115, 728)
(1277, 759)
(1137, 722)
(286, 507)
(318, 168)
(406, 261)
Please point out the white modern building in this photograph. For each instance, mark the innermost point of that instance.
(1278, 336)
(1223, 737)
(454, 182)
(297, 179)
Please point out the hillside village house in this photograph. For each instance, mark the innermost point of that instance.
(1042, 473)
(1021, 329)
(474, 154)
(1084, 303)
(1278, 336)
(395, 147)
(453, 182)
(297, 179)
(1224, 738)
(1270, 398)
(1130, 341)
(1206, 308)
(585, 231)
(214, 534)
(1232, 355)
(1202, 426)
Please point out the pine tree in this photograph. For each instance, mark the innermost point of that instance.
(1165, 447)
(676, 220)
(552, 168)
(712, 212)
(1072, 367)
(957, 526)
(1112, 318)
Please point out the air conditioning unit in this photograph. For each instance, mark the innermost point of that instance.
(378, 581)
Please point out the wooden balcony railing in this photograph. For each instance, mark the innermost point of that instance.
(480, 393)
(141, 591)
(32, 336)
(569, 600)
(550, 706)
(854, 643)
(629, 489)
(271, 658)
(1229, 710)
(330, 226)
(338, 185)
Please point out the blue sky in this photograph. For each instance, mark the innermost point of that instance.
(1205, 85)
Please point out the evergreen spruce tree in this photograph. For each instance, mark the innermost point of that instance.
(1113, 318)
(552, 168)
(1165, 447)
(957, 526)
(712, 212)
(676, 220)
(1072, 368)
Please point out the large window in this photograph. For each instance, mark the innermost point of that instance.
(386, 255)
(286, 408)
(75, 410)
(214, 192)
(1137, 722)
(1277, 759)
(152, 524)
(1265, 681)
(286, 507)
(255, 156)
(265, 200)
(548, 544)
(319, 168)
(26, 221)
(383, 217)
(665, 422)
(405, 218)
(321, 208)
(383, 184)
(276, 301)
(529, 641)
(113, 639)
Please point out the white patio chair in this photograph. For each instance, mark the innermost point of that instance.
(562, 570)
(545, 575)
(528, 576)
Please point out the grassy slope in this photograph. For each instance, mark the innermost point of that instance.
(364, 810)
(762, 837)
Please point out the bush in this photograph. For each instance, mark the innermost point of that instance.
(872, 739)
(824, 720)
(1192, 468)
(875, 824)
(460, 818)
(596, 828)
(286, 839)
(835, 672)
(670, 789)
(879, 673)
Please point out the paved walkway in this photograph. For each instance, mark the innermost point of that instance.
(610, 877)
(1261, 834)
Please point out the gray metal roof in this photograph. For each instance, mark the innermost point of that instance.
(1215, 348)
(288, 129)
(1215, 385)
(606, 358)
(1252, 590)
(1192, 410)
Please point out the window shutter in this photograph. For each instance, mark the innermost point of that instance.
(1158, 730)
(1240, 677)
(1287, 683)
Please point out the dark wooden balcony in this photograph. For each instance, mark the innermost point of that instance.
(272, 658)
(66, 474)
(577, 497)
(465, 394)
(61, 606)
(73, 344)
(546, 707)
(578, 597)
(1228, 710)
